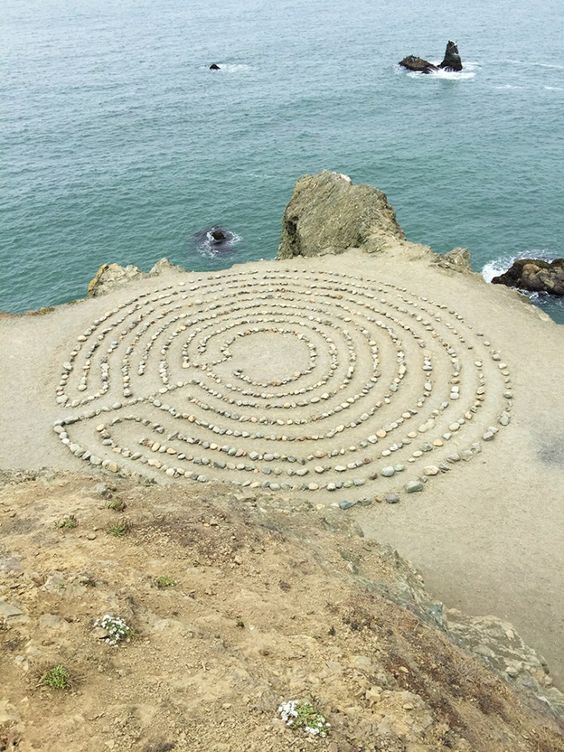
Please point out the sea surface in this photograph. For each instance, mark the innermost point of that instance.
(117, 143)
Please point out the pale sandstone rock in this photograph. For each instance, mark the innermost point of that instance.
(328, 214)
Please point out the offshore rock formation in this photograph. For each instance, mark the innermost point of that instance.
(534, 275)
(214, 66)
(328, 214)
(215, 239)
(451, 61)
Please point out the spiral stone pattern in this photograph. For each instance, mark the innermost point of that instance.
(283, 379)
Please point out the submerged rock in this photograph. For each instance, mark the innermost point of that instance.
(450, 62)
(534, 275)
(215, 240)
(328, 214)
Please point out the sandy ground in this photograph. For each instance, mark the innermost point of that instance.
(487, 533)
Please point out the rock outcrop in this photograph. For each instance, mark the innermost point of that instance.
(458, 259)
(534, 275)
(450, 62)
(328, 214)
(214, 66)
(110, 276)
(417, 64)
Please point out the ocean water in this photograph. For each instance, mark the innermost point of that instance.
(118, 144)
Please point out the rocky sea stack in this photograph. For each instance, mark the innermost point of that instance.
(328, 214)
(534, 275)
(450, 62)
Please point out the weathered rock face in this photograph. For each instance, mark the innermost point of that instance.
(328, 214)
(534, 275)
(110, 276)
(458, 259)
(417, 64)
(451, 61)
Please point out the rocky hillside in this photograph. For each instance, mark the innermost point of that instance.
(224, 606)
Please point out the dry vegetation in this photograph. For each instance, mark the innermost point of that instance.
(235, 605)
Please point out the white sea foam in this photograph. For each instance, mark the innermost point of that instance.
(210, 249)
(466, 74)
(501, 264)
(233, 67)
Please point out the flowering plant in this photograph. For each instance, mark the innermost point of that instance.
(115, 627)
(300, 714)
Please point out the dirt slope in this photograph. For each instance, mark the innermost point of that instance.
(258, 602)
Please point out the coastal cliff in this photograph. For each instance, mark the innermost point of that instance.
(233, 458)
(328, 214)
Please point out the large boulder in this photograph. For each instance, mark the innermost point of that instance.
(328, 214)
(417, 64)
(534, 275)
(459, 259)
(451, 60)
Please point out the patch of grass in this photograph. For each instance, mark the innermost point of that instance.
(56, 677)
(67, 523)
(119, 529)
(117, 505)
(163, 581)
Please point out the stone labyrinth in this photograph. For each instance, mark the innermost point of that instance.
(283, 379)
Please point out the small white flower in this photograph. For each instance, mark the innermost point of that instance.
(301, 714)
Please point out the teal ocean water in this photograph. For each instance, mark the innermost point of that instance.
(118, 144)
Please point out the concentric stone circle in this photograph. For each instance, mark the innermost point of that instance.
(285, 379)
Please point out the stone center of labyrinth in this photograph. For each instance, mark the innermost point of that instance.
(283, 379)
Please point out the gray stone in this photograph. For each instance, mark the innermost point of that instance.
(413, 486)
(9, 611)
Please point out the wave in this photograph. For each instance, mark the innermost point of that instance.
(209, 248)
(468, 72)
(533, 64)
(231, 67)
(501, 264)
(552, 304)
